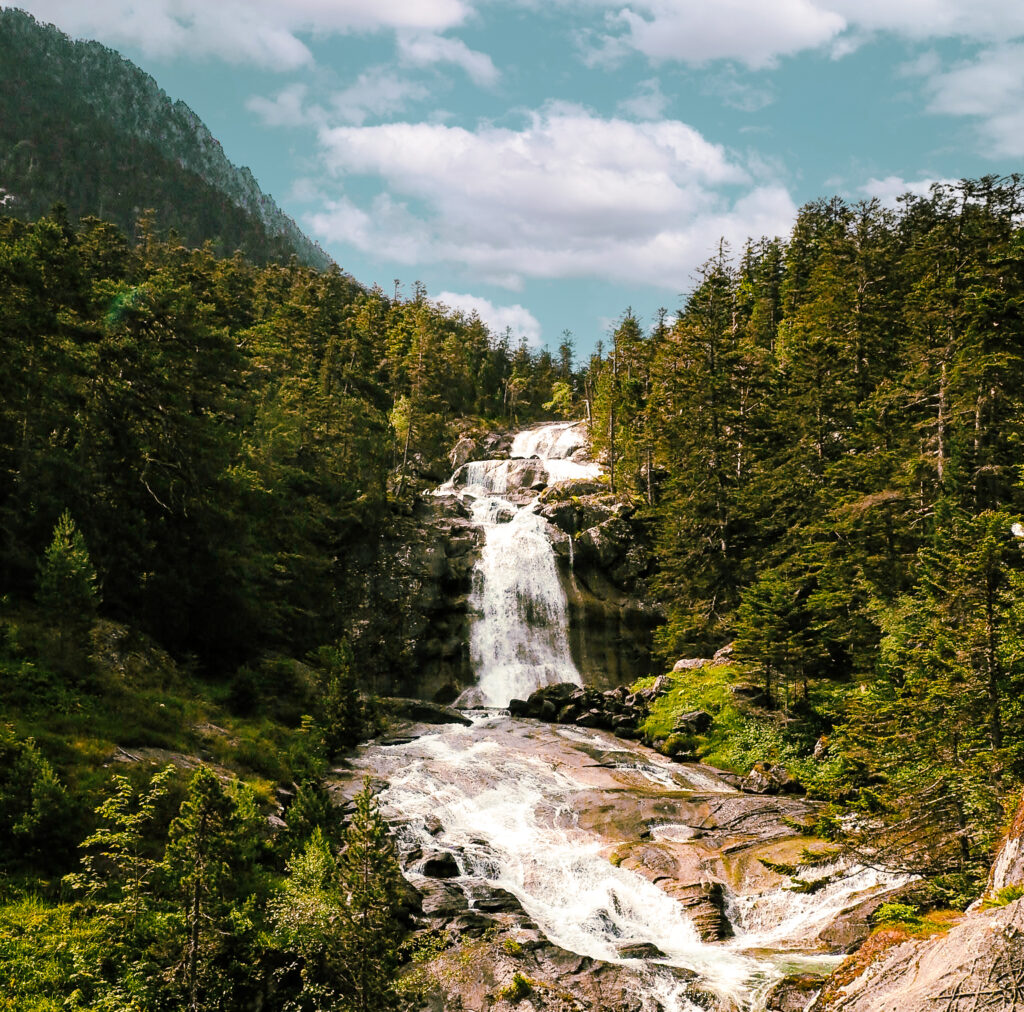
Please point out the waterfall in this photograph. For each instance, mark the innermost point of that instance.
(519, 639)
(503, 797)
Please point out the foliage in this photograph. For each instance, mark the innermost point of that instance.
(35, 809)
(66, 585)
(338, 915)
(1004, 897)
(896, 913)
(516, 989)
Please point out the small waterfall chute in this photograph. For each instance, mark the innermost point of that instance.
(519, 639)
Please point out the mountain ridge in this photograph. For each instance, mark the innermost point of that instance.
(79, 103)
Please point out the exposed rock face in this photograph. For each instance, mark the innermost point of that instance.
(978, 966)
(605, 561)
(1008, 867)
(411, 631)
(678, 826)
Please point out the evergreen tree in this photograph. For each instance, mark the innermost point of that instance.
(201, 865)
(338, 915)
(118, 862)
(370, 880)
(67, 583)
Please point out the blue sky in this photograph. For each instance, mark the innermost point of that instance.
(550, 162)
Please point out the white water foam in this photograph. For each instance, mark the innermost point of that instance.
(510, 821)
(519, 640)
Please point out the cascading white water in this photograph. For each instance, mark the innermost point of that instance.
(519, 640)
(509, 817)
(510, 821)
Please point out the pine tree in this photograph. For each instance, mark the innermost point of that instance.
(370, 880)
(338, 915)
(117, 860)
(200, 862)
(67, 585)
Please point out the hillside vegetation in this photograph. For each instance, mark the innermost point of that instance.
(84, 126)
(200, 457)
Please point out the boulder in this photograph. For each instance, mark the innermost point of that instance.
(691, 663)
(770, 778)
(518, 708)
(792, 993)
(438, 899)
(694, 722)
(639, 950)
(462, 452)
(440, 865)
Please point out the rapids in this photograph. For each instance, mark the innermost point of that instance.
(547, 812)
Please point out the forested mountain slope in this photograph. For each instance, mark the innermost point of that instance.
(83, 126)
(828, 441)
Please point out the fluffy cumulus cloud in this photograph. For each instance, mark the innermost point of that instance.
(697, 32)
(891, 188)
(989, 87)
(757, 33)
(569, 194)
(263, 32)
(516, 318)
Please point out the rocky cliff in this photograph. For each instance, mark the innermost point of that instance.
(605, 561)
(410, 628)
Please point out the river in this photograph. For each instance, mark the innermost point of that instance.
(544, 811)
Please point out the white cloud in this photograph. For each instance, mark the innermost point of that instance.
(887, 190)
(568, 195)
(758, 32)
(286, 108)
(753, 32)
(263, 32)
(983, 20)
(522, 322)
(425, 49)
(991, 88)
(376, 93)
(649, 102)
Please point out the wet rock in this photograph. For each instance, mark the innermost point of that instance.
(433, 825)
(471, 924)
(492, 900)
(639, 950)
(441, 865)
(704, 903)
(568, 713)
(441, 901)
(518, 708)
(792, 994)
